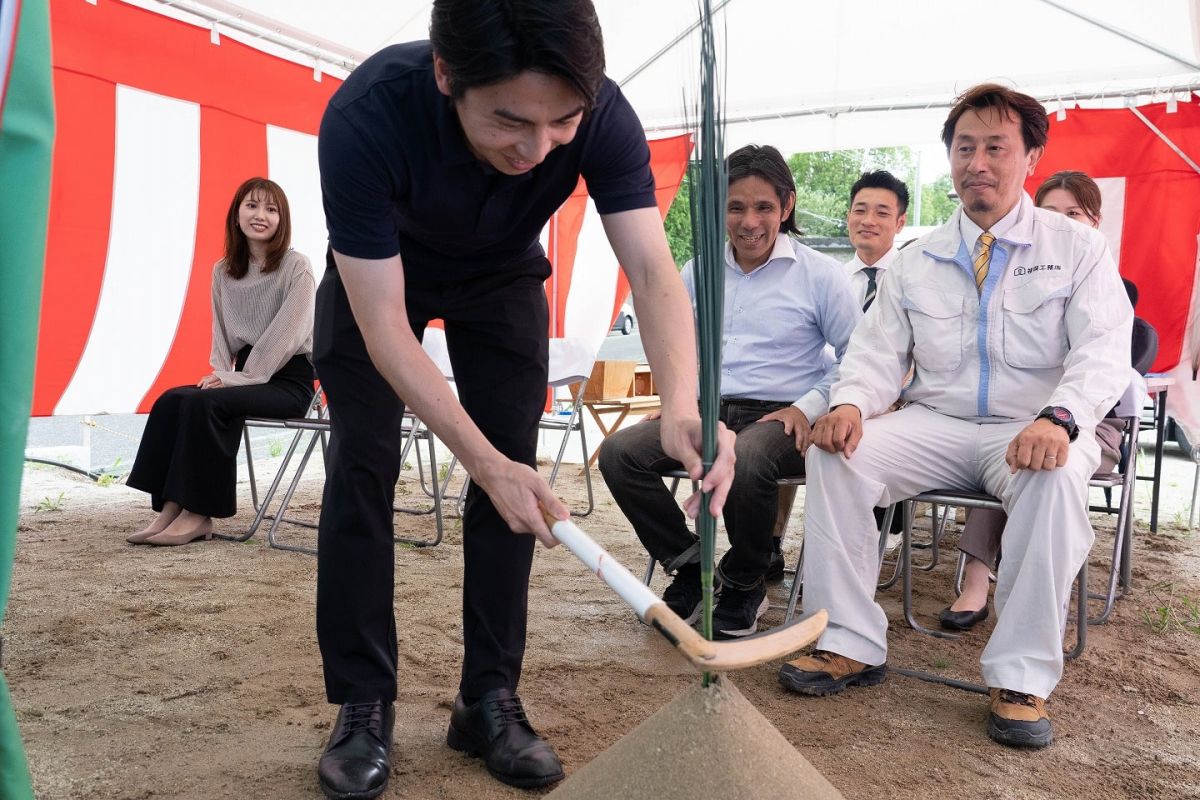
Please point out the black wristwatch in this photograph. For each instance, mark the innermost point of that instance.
(1062, 418)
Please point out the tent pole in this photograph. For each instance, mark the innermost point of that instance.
(867, 108)
(1162, 51)
(234, 17)
(668, 46)
(1176, 148)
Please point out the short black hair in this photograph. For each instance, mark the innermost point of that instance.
(483, 42)
(764, 161)
(882, 179)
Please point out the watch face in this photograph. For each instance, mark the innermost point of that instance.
(1061, 414)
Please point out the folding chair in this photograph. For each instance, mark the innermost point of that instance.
(414, 432)
(315, 408)
(572, 424)
(969, 500)
(1124, 479)
(1119, 569)
(570, 363)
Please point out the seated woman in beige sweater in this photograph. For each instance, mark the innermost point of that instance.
(262, 301)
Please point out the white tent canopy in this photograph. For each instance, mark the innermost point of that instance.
(803, 76)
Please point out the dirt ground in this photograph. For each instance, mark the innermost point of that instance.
(193, 672)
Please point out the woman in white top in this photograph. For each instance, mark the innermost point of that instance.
(262, 303)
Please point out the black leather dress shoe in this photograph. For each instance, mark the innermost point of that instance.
(961, 620)
(496, 730)
(357, 762)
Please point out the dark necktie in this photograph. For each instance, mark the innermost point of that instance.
(870, 295)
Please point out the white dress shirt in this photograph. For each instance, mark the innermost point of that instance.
(858, 279)
(778, 319)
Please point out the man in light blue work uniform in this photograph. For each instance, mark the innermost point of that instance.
(1018, 328)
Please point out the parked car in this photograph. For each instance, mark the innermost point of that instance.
(625, 321)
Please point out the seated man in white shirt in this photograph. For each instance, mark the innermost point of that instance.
(1017, 327)
(878, 212)
(784, 303)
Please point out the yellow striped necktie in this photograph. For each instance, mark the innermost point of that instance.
(986, 239)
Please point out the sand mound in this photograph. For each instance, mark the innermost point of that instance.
(704, 743)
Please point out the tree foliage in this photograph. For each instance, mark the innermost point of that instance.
(679, 226)
(936, 202)
(823, 181)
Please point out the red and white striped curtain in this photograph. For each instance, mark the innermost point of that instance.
(157, 126)
(1151, 217)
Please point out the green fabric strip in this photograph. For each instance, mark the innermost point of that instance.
(26, 144)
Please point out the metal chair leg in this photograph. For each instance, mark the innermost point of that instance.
(272, 541)
(906, 572)
(1195, 490)
(907, 509)
(587, 472)
(250, 467)
(437, 504)
(261, 508)
(797, 586)
(1081, 615)
(937, 531)
(959, 570)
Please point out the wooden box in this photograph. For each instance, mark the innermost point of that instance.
(643, 381)
(610, 380)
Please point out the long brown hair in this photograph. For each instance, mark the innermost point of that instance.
(1082, 188)
(237, 249)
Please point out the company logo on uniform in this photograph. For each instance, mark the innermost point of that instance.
(1036, 268)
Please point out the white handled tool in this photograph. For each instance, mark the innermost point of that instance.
(706, 656)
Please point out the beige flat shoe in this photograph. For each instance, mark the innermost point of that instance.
(141, 536)
(165, 539)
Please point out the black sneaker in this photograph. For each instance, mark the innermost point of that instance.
(738, 610)
(775, 566)
(684, 596)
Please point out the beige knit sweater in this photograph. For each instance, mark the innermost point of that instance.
(271, 312)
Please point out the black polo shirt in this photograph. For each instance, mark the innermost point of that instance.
(397, 175)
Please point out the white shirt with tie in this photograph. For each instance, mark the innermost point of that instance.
(858, 279)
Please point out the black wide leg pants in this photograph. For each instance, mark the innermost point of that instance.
(496, 335)
(188, 451)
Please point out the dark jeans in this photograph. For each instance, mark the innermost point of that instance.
(496, 335)
(632, 462)
(188, 451)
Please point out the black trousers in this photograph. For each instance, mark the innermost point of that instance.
(632, 461)
(188, 451)
(496, 336)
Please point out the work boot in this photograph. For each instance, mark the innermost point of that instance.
(1018, 719)
(824, 673)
